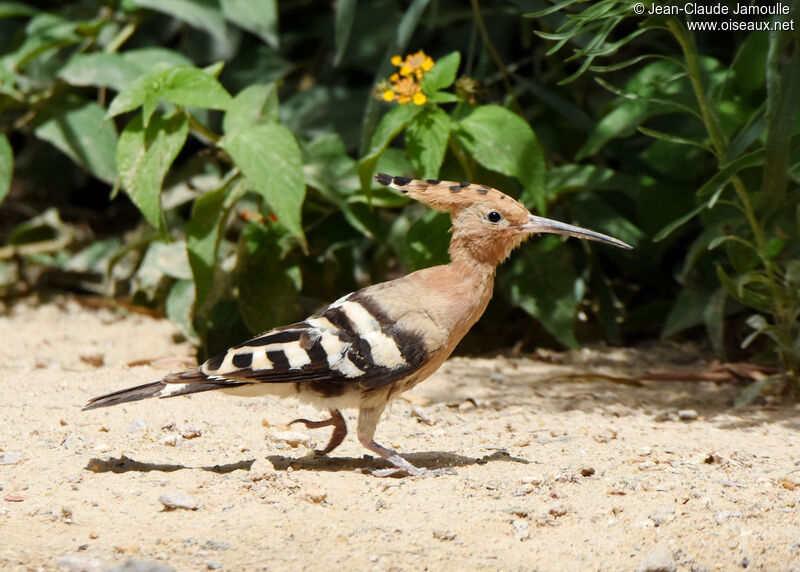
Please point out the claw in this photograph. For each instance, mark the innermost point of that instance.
(339, 430)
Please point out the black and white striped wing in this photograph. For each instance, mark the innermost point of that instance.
(350, 341)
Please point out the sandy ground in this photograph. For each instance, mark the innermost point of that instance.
(550, 473)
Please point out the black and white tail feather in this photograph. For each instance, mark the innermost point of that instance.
(349, 345)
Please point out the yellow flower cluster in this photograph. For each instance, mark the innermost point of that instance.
(404, 85)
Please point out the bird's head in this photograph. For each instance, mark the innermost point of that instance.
(486, 222)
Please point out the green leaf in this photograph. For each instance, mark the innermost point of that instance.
(260, 18)
(672, 138)
(390, 127)
(727, 172)
(6, 166)
(426, 141)
(427, 241)
(736, 290)
(442, 74)
(201, 14)
(181, 85)
(16, 10)
(43, 33)
(144, 156)
(543, 282)
(251, 106)
(502, 141)
(272, 302)
(99, 69)
(178, 308)
(343, 24)
(79, 131)
(270, 160)
(203, 233)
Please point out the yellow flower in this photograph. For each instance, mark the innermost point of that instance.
(388, 95)
(419, 98)
(414, 64)
(408, 90)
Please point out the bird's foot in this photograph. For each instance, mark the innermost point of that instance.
(339, 430)
(403, 468)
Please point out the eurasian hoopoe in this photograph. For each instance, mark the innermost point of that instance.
(372, 345)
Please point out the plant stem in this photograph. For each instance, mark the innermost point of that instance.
(202, 130)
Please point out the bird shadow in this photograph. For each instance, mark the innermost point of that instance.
(431, 460)
(125, 464)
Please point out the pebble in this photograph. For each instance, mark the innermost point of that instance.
(522, 530)
(444, 535)
(557, 509)
(292, 438)
(587, 471)
(141, 566)
(315, 496)
(79, 563)
(421, 416)
(687, 415)
(262, 470)
(10, 458)
(73, 442)
(190, 430)
(658, 560)
(170, 440)
(213, 565)
(173, 500)
(791, 481)
(138, 424)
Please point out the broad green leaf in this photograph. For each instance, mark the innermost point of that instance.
(99, 69)
(443, 97)
(272, 302)
(181, 85)
(442, 74)
(178, 308)
(426, 140)
(6, 166)
(254, 104)
(43, 33)
(390, 127)
(269, 158)
(260, 18)
(80, 132)
(146, 59)
(542, 280)
(203, 233)
(343, 24)
(144, 156)
(502, 141)
(749, 66)
(201, 14)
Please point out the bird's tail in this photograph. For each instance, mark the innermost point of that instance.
(181, 383)
(125, 395)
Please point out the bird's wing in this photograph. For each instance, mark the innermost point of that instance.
(351, 341)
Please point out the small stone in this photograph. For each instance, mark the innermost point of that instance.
(219, 545)
(605, 436)
(95, 360)
(726, 514)
(444, 535)
(467, 405)
(497, 378)
(421, 416)
(557, 510)
(522, 531)
(315, 496)
(102, 447)
(262, 470)
(213, 565)
(79, 563)
(532, 480)
(687, 415)
(141, 566)
(10, 458)
(190, 430)
(658, 560)
(170, 440)
(645, 451)
(13, 498)
(791, 481)
(292, 438)
(73, 442)
(173, 500)
(138, 424)
(662, 416)
(587, 471)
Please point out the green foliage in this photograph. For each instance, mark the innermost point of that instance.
(244, 142)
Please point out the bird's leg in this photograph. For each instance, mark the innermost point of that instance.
(339, 429)
(367, 422)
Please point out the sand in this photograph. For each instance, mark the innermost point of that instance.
(550, 473)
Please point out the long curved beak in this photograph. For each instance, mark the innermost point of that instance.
(539, 224)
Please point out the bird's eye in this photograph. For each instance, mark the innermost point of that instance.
(494, 217)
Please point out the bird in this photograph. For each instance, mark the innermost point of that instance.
(370, 346)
